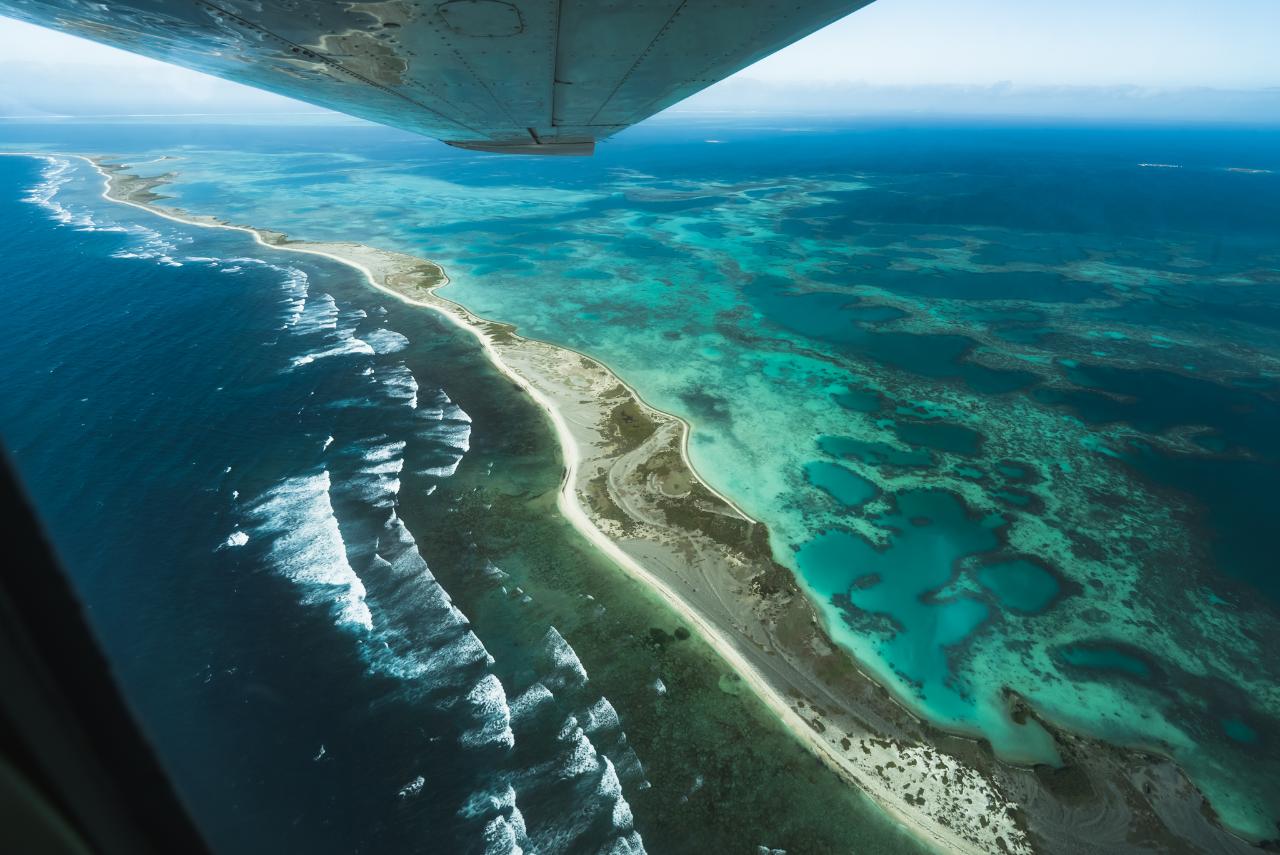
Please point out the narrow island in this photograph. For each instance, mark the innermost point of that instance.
(629, 488)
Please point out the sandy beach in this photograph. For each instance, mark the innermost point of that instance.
(629, 488)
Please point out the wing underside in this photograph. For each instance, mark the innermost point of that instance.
(527, 76)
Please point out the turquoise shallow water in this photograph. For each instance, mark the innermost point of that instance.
(1020, 585)
(1049, 375)
(846, 487)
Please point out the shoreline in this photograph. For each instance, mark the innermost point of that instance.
(630, 489)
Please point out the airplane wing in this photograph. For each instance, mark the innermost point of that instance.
(524, 76)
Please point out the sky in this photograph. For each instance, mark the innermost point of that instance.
(1135, 58)
(1150, 43)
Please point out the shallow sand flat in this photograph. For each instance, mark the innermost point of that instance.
(631, 491)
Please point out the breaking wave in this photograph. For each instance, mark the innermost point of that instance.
(384, 341)
(147, 243)
(487, 707)
(566, 667)
(377, 477)
(296, 519)
(399, 384)
(336, 329)
(447, 431)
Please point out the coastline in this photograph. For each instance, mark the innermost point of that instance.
(631, 491)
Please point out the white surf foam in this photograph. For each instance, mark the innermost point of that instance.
(497, 799)
(599, 796)
(236, 538)
(582, 757)
(377, 480)
(516, 818)
(384, 340)
(530, 701)
(318, 315)
(413, 788)
(487, 705)
(57, 173)
(611, 788)
(346, 345)
(464, 652)
(399, 384)
(567, 670)
(297, 517)
(504, 826)
(442, 408)
(500, 838)
(147, 243)
(628, 844)
(296, 286)
(629, 766)
(449, 430)
(493, 573)
(321, 316)
(600, 716)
